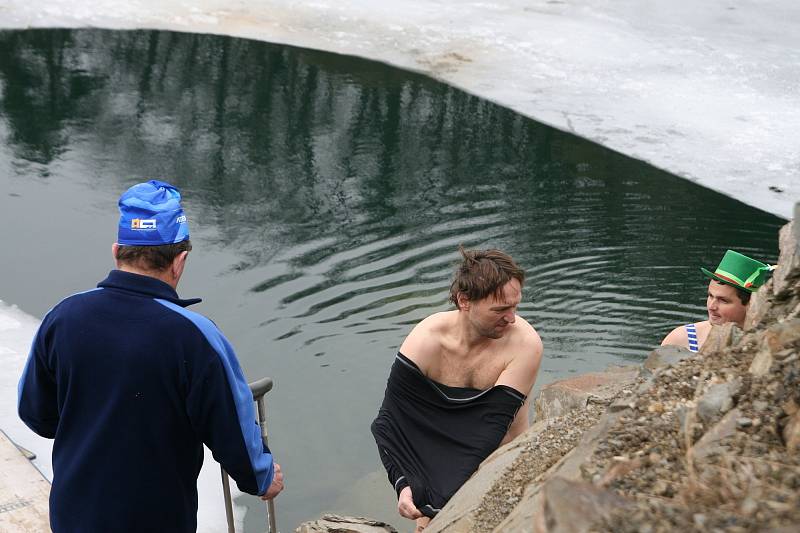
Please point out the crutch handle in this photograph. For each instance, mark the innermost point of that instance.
(260, 387)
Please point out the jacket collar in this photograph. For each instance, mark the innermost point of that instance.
(145, 286)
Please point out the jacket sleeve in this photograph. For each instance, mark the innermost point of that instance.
(220, 407)
(37, 401)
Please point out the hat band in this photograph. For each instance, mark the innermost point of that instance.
(727, 276)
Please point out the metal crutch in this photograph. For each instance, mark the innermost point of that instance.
(259, 389)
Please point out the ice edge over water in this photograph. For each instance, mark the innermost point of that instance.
(706, 91)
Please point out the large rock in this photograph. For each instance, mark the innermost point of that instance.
(574, 506)
(461, 514)
(720, 338)
(777, 338)
(709, 442)
(561, 397)
(665, 356)
(529, 512)
(788, 269)
(332, 523)
(762, 363)
(717, 400)
(759, 307)
(782, 335)
(791, 433)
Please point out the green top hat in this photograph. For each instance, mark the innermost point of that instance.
(740, 271)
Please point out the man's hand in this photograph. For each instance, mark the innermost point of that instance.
(277, 484)
(405, 505)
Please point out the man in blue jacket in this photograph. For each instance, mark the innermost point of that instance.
(130, 384)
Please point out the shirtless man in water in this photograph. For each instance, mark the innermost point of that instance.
(481, 344)
(729, 290)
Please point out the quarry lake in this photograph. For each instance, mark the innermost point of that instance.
(327, 197)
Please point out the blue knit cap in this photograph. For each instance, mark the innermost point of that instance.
(150, 214)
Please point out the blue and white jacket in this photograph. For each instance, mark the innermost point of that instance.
(131, 385)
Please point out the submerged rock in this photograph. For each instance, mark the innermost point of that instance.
(345, 524)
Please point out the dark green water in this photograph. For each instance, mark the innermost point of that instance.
(327, 196)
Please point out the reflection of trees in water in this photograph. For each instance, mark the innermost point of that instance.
(282, 149)
(43, 86)
(259, 132)
(282, 145)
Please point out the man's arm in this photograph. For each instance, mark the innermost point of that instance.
(520, 423)
(405, 499)
(37, 402)
(420, 346)
(520, 374)
(220, 407)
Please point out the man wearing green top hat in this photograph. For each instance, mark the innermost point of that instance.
(729, 290)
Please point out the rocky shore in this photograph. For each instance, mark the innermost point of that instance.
(706, 442)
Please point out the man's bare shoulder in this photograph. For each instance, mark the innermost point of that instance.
(526, 339)
(424, 341)
(677, 337)
(525, 350)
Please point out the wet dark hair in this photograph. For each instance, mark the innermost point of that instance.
(157, 258)
(483, 273)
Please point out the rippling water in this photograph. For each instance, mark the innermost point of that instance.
(327, 197)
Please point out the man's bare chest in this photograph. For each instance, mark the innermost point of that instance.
(479, 372)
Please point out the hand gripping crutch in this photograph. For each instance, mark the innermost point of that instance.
(259, 389)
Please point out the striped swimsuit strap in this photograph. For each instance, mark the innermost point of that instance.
(691, 332)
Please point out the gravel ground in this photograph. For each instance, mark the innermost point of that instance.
(542, 452)
(750, 482)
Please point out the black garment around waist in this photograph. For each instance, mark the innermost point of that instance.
(432, 437)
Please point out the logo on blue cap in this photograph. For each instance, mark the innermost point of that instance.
(151, 215)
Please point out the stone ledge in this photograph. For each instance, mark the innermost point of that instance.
(24, 492)
(560, 397)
